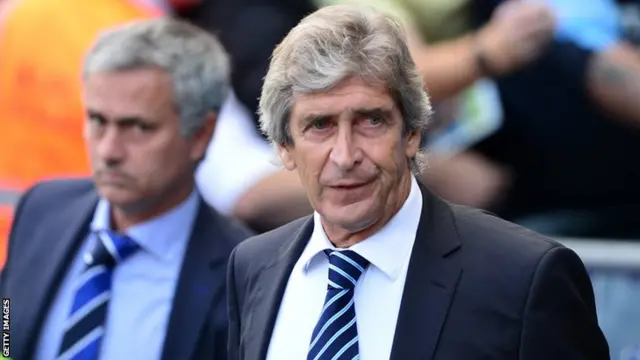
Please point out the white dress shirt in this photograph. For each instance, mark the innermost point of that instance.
(378, 293)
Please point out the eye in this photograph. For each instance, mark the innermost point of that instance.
(374, 120)
(135, 125)
(320, 124)
(95, 119)
(142, 127)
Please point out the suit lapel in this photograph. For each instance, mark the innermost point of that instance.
(53, 253)
(432, 279)
(201, 280)
(271, 286)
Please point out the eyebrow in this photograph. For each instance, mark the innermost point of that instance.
(122, 120)
(312, 118)
(384, 112)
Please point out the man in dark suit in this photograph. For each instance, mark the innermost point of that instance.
(131, 265)
(383, 269)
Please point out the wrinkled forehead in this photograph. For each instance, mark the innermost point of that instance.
(349, 98)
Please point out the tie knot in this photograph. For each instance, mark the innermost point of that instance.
(345, 268)
(110, 249)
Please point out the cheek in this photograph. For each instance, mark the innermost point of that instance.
(399, 151)
(310, 173)
(310, 162)
(388, 156)
(91, 151)
(151, 168)
(160, 159)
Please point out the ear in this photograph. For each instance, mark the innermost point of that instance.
(286, 156)
(413, 140)
(202, 137)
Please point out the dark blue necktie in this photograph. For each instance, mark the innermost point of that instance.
(335, 336)
(84, 328)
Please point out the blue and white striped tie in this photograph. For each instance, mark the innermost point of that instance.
(84, 327)
(335, 336)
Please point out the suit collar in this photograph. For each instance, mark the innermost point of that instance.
(200, 285)
(432, 280)
(388, 249)
(270, 289)
(163, 236)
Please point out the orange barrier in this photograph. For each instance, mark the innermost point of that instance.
(6, 215)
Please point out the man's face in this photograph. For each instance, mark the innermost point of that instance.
(350, 152)
(138, 155)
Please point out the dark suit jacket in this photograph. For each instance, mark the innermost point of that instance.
(52, 220)
(477, 287)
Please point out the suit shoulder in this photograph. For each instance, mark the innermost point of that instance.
(48, 193)
(505, 255)
(48, 190)
(486, 233)
(267, 245)
(39, 209)
(235, 230)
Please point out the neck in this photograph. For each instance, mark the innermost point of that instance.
(123, 218)
(345, 238)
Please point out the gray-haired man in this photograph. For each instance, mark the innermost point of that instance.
(384, 269)
(132, 264)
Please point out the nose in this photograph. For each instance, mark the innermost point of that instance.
(109, 146)
(345, 153)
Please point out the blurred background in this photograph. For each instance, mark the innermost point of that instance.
(537, 116)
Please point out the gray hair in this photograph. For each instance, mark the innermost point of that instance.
(331, 45)
(196, 62)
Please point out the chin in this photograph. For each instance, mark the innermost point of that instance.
(353, 217)
(118, 196)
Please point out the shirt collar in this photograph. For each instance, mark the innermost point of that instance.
(161, 236)
(387, 249)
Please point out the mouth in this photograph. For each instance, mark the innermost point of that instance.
(350, 186)
(111, 177)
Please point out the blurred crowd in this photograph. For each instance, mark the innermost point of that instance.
(536, 115)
